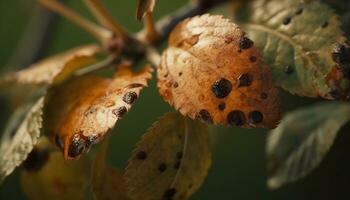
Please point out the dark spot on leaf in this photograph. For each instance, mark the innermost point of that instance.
(59, 142)
(245, 80)
(179, 155)
(169, 193)
(299, 10)
(162, 167)
(324, 25)
(286, 20)
(236, 117)
(252, 59)
(263, 95)
(177, 164)
(180, 73)
(289, 69)
(335, 94)
(204, 116)
(222, 106)
(119, 112)
(255, 117)
(77, 146)
(221, 88)
(245, 43)
(141, 155)
(341, 54)
(176, 85)
(36, 160)
(130, 97)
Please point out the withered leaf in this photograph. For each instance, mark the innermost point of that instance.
(303, 45)
(299, 144)
(57, 179)
(81, 111)
(171, 161)
(107, 182)
(15, 148)
(144, 7)
(55, 69)
(211, 71)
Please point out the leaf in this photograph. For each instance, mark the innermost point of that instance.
(306, 51)
(212, 72)
(300, 142)
(144, 7)
(171, 161)
(55, 69)
(81, 111)
(108, 182)
(14, 150)
(57, 179)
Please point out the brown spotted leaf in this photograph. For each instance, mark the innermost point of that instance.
(171, 161)
(80, 112)
(57, 179)
(144, 7)
(23, 133)
(55, 69)
(303, 45)
(212, 71)
(107, 182)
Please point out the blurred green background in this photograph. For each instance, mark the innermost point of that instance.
(238, 170)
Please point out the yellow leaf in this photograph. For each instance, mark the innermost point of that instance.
(81, 111)
(171, 161)
(55, 69)
(57, 180)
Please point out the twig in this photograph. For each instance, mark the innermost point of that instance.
(99, 32)
(102, 15)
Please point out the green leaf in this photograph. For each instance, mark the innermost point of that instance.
(171, 161)
(300, 42)
(107, 182)
(57, 179)
(15, 149)
(300, 142)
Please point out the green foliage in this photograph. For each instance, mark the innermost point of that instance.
(302, 140)
(298, 42)
(171, 161)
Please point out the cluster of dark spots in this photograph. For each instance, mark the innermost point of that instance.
(325, 24)
(119, 112)
(287, 20)
(245, 80)
(204, 116)
(141, 155)
(77, 146)
(253, 59)
(341, 54)
(263, 95)
(222, 106)
(255, 117)
(134, 85)
(59, 142)
(221, 88)
(245, 43)
(236, 117)
(289, 69)
(169, 194)
(162, 167)
(299, 10)
(130, 97)
(175, 85)
(36, 159)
